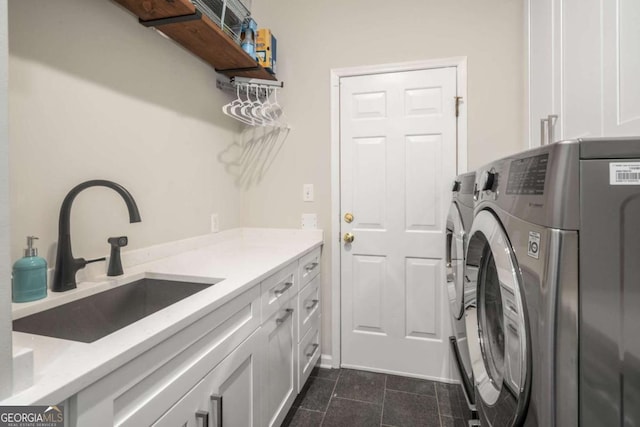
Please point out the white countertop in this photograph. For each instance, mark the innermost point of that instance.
(242, 257)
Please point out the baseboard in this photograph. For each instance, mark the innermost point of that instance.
(402, 374)
(326, 361)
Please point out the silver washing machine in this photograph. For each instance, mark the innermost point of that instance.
(459, 221)
(553, 278)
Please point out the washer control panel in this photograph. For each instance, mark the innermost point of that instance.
(527, 176)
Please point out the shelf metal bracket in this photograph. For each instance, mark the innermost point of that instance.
(171, 20)
(261, 82)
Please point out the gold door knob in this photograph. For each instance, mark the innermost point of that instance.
(348, 237)
(348, 217)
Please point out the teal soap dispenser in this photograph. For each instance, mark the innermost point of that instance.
(29, 281)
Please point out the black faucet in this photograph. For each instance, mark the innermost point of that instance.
(67, 266)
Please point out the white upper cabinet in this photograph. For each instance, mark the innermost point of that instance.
(621, 65)
(583, 63)
(542, 47)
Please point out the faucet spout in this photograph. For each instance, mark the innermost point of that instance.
(67, 266)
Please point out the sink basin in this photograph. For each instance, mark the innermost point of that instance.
(96, 316)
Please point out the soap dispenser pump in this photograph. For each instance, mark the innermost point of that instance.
(29, 281)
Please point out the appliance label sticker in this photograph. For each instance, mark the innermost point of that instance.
(624, 173)
(534, 245)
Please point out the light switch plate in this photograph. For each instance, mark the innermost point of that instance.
(307, 192)
(309, 221)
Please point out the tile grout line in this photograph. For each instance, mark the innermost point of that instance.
(331, 397)
(438, 403)
(384, 395)
(359, 401)
(410, 392)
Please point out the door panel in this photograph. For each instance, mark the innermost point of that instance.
(422, 170)
(369, 176)
(398, 154)
(369, 273)
(422, 285)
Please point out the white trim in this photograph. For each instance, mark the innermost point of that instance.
(402, 374)
(333, 239)
(326, 361)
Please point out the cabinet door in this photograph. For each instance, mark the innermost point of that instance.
(621, 57)
(581, 94)
(227, 396)
(280, 364)
(542, 67)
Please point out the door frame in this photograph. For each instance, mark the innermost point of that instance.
(460, 63)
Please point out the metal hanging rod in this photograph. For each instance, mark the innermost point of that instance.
(260, 82)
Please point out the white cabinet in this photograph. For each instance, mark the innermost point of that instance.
(241, 365)
(581, 70)
(140, 392)
(621, 65)
(227, 396)
(280, 368)
(308, 315)
(542, 47)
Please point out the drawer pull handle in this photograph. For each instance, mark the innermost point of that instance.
(281, 320)
(314, 348)
(204, 416)
(313, 305)
(283, 289)
(216, 402)
(310, 266)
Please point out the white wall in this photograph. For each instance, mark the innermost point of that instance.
(316, 36)
(5, 270)
(94, 94)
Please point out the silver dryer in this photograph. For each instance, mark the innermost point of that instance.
(553, 264)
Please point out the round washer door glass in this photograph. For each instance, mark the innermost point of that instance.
(496, 322)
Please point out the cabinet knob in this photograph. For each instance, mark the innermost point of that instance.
(348, 237)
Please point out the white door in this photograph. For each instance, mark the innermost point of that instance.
(397, 159)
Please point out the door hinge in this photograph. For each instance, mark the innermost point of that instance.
(458, 99)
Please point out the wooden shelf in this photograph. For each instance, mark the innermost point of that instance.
(182, 22)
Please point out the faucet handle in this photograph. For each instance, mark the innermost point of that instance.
(115, 261)
(118, 241)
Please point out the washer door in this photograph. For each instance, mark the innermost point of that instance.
(456, 246)
(496, 325)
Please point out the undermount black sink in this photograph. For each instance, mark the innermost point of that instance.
(96, 316)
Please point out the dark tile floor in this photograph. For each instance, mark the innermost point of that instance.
(350, 398)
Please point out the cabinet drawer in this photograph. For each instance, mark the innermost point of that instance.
(308, 306)
(278, 289)
(309, 266)
(308, 353)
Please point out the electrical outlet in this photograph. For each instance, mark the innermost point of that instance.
(309, 221)
(215, 223)
(307, 192)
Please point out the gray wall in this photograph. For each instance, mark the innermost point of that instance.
(94, 94)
